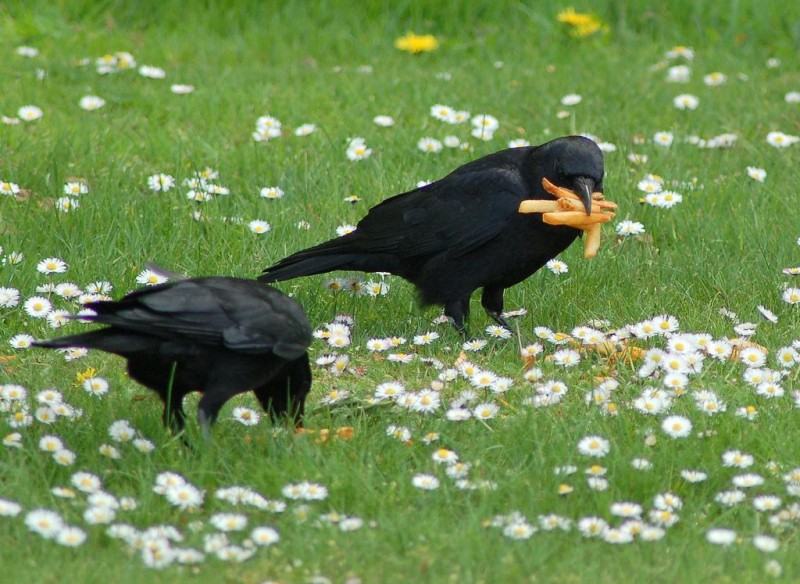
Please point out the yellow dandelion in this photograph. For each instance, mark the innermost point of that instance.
(84, 375)
(581, 24)
(415, 43)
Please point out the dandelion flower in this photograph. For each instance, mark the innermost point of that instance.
(414, 43)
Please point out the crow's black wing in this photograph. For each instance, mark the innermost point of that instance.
(454, 215)
(240, 315)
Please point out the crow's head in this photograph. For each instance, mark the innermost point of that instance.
(574, 163)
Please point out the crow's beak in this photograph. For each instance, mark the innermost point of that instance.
(583, 188)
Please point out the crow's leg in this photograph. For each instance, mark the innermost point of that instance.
(214, 397)
(458, 311)
(492, 302)
(285, 393)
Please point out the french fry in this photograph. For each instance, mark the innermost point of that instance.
(568, 210)
(538, 206)
(563, 204)
(591, 241)
(562, 193)
(576, 219)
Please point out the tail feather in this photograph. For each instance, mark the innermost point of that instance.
(342, 253)
(292, 267)
(110, 340)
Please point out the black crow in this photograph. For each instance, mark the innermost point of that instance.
(464, 231)
(219, 336)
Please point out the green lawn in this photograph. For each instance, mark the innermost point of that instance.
(336, 66)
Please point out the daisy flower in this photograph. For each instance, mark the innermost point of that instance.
(747, 481)
(228, 521)
(566, 357)
(96, 386)
(152, 72)
(766, 544)
(425, 482)
(715, 79)
(160, 183)
(184, 496)
(181, 88)
(8, 188)
(518, 530)
(429, 145)
(443, 113)
(757, 174)
(271, 193)
(594, 446)
(44, 522)
(443, 455)
(792, 295)
(679, 74)
(686, 101)
(485, 122)
(9, 297)
(676, 426)
(305, 130)
(781, 140)
(719, 536)
(498, 332)
(264, 536)
(383, 121)
(474, 345)
(90, 103)
(37, 306)
(75, 188)
(663, 139)
(29, 113)
(245, 416)
(345, 229)
(557, 266)
(628, 228)
(357, 149)
(27, 52)
(767, 314)
(258, 226)
(150, 278)
(485, 411)
(753, 357)
(51, 266)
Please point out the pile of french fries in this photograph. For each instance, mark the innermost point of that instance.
(568, 210)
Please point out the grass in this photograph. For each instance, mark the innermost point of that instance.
(724, 246)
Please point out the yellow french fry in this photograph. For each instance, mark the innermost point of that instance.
(591, 241)
(538, 206)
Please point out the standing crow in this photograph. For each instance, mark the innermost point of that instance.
(464, 232)
(219, 336)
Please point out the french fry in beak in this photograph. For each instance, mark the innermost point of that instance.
(591, 241)
(576, 219)
(538, 206)
(568, 210)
